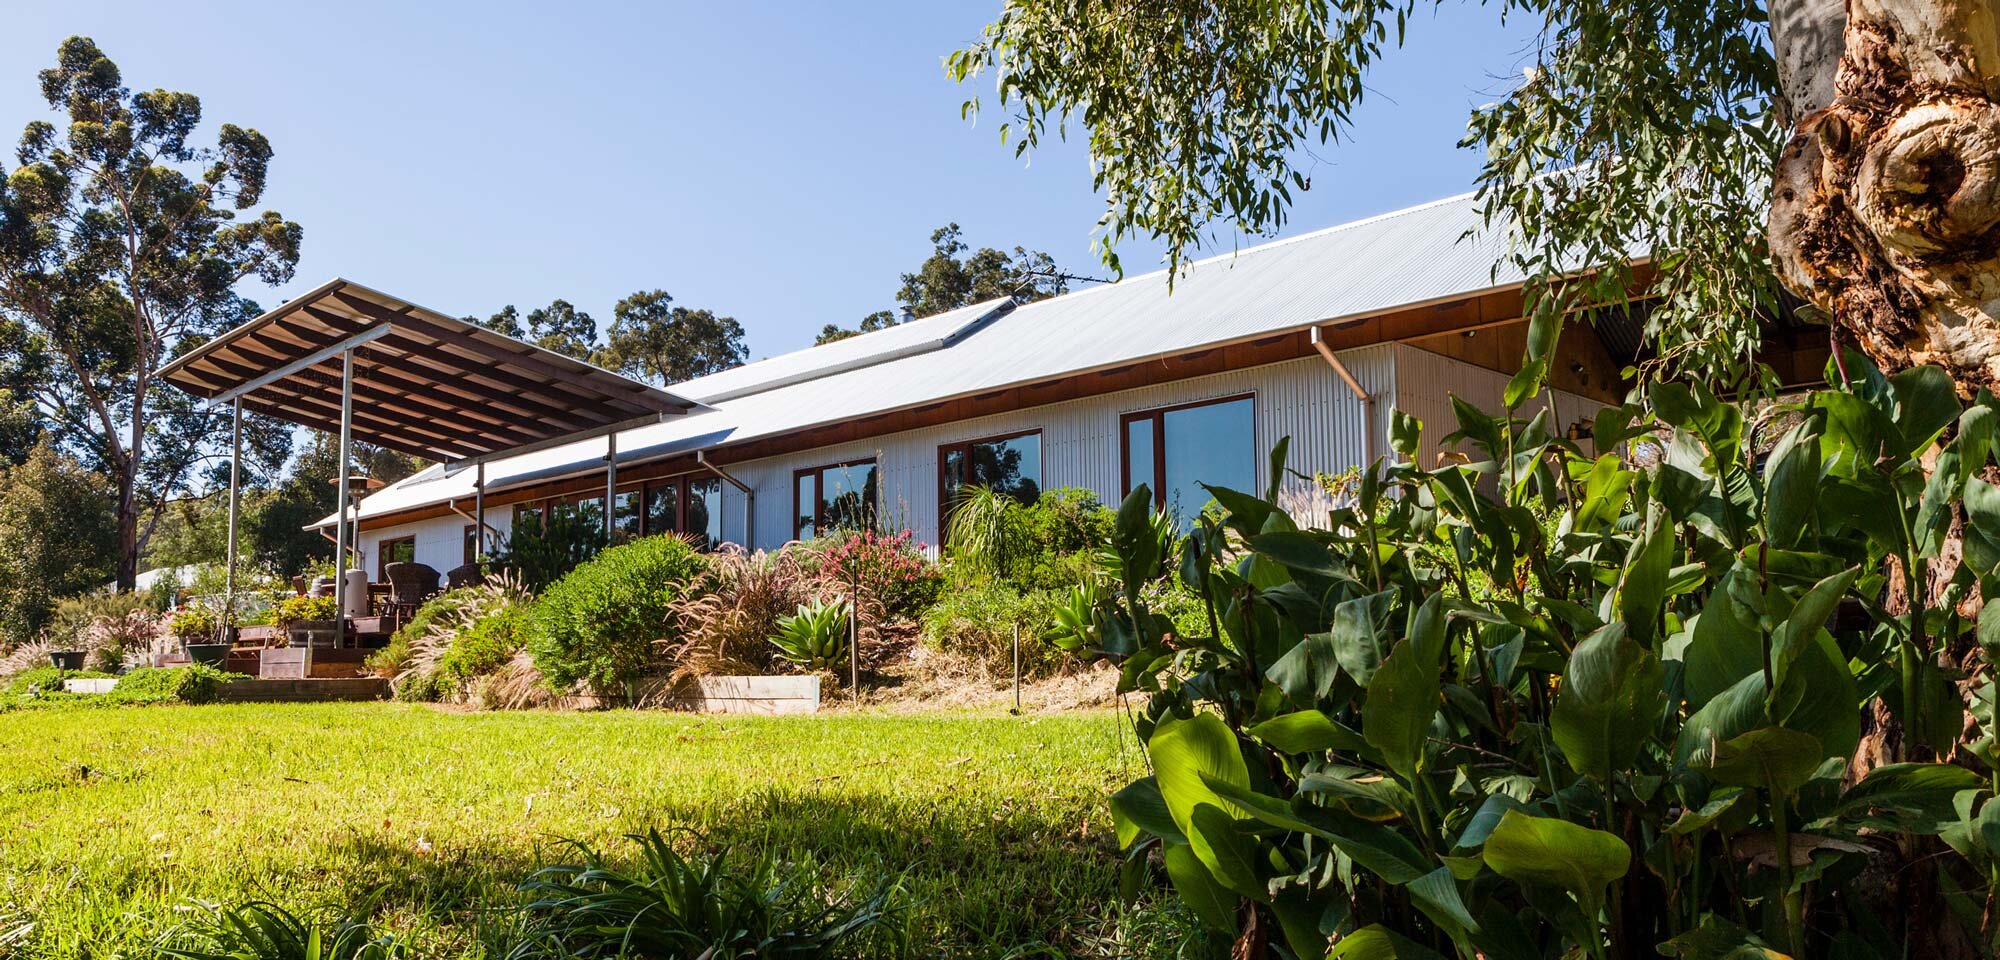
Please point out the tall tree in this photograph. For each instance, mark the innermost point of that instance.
(651, 339)
(560, 327)
(58, 521)
(119, 243)
(955, 275)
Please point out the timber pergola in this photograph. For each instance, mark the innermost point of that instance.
(356, 362)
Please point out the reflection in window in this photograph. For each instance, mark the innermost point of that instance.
(627, 522)
(704, 510)
(838, 497)
(663, 507)
(1009, 466)
(399, 550)
(805, 499)
(1178, 449)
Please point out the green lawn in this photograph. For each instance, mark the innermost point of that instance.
(112, 818)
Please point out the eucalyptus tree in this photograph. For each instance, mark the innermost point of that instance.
(955, 275)
(651, 339)
(1653, 128)
(120, 244)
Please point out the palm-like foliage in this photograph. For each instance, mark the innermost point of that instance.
(671, 906)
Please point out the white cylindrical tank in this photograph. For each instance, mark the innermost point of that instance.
(356, 599)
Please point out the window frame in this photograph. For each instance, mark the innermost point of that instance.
(470, 536)
(382, 554)
(1157, 482)
(965, 447)
(818, 473)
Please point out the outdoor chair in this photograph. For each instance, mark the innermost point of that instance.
(410, 584)
(465, 575)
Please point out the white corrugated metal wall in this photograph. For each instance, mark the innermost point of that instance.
(1301, 398)
(1426, 382)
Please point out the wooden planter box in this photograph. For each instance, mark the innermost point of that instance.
(316, 633)
(765, 695)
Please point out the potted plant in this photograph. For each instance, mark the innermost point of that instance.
(304, 618)
(197, 629)
(67, 661)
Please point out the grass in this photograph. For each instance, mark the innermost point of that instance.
(113, 821)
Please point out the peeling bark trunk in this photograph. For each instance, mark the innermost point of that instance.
(1885, 210)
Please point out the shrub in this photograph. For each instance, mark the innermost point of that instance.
(459, 636)
(484, 645)
(675, 906)
(815, 638)
(195, 625)
(394, 656)
(56, 520)
(540, 552)
(599, 624)
(890, 569)
(45, 681)
(1047, 545)
(196, 683)
(727, 616)
(977, 622)
(292, 610)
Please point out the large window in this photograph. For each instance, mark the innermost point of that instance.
(1008, 465)
(399, 550)
(839, 496)
(1175, 449)
(703, 513)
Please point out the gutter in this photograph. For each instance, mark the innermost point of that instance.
(1367, 399)
(749, 496)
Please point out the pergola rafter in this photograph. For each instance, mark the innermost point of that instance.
(369, 367)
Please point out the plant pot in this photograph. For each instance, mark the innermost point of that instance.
(207, 654)
(68, 661)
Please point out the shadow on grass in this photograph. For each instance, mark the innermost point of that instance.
(977, 882)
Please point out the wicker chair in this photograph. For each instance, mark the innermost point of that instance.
(466, 575)
(410, 584)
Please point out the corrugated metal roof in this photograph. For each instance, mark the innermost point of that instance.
(1421, 254)
(902, 340)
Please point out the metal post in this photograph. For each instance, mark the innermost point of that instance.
(1017, 668)
(479, 514)
(340, 545)
(854, 634)
(610, 487)
(235, 482)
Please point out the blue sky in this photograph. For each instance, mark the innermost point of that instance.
(780, 163)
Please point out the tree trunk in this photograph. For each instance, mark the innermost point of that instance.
(1886, 200)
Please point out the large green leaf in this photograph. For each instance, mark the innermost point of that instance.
(1772, 758)
(1377, 942)
(1299, 550)
(1308, 671)
(1302, 731)
(1359, 639)
(1558, 853)
(1609, 702)
(1926, 403)
(1139, 807)
(1403, 697)
(1644, 586)
(1229, 854)
(1726, 644)
(1436, 894)
(1211, 903)
(1373, 847)
(1187, 757)
(1924, 789)
(1791, 493)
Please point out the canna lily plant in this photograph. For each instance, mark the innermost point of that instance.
(1676, 697)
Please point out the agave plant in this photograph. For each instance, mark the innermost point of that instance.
(265, 931)
(815, 638)
(676, 906)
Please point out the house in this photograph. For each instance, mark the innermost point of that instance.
(1315, 337)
